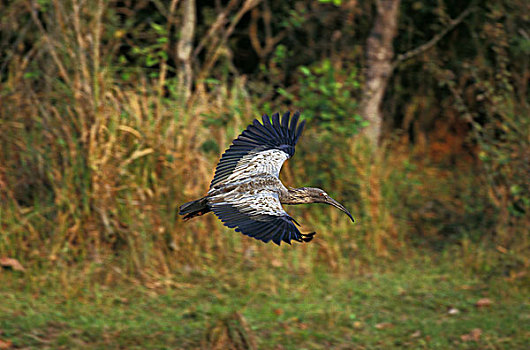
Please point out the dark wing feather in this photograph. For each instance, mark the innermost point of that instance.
(263, 227)
(280, 135)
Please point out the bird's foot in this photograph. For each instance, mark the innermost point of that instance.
(308, 237)
(194, 214)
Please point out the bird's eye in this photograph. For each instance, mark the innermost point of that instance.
(322, 195)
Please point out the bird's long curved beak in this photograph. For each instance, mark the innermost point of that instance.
(337, 205)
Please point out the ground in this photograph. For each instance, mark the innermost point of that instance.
(413, 305)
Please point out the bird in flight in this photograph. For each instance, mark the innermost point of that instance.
(246, 192)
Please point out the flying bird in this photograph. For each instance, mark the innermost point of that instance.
(246, 192)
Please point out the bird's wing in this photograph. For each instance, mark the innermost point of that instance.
(261, 148)
(258, 215)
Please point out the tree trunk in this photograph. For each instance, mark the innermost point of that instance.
(185, 46)
(379, 55)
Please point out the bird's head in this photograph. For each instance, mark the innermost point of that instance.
(316, 195)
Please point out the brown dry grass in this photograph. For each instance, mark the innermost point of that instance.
(92, 170)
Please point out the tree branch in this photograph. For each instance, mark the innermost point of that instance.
(216, 27)
(212, 58)
(422, 48)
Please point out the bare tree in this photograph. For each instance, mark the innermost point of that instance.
(379, 55)
(185, 46)
(380, 64)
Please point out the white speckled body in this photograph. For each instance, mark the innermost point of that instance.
(254, 186)
(258, 194)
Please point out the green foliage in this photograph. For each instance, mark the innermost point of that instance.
(151, 55)
(505, 159)
(503, 138)
(486, 96)
(335, 2)
(327, 97)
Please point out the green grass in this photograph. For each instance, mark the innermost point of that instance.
(396, 306)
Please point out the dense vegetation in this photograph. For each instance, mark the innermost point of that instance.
(107, 125)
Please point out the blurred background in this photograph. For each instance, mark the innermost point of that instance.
(113, 113)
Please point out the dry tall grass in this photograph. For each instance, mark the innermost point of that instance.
(92, 169)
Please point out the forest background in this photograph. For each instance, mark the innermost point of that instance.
(113, 113)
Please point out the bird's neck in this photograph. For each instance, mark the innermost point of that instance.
(294, 196)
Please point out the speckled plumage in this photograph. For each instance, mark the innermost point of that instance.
(246, 192)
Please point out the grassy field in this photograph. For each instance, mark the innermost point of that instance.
(419, 304)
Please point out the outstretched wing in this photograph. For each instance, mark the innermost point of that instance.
(260, 216)
(261, 148)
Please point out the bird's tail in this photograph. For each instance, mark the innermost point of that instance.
(194, 208)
